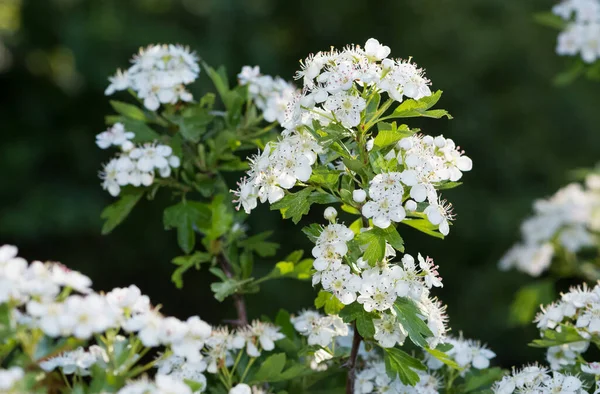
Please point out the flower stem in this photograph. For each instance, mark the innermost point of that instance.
(351, 363)
(238, 299)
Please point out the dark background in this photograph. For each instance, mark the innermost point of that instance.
(493, 62)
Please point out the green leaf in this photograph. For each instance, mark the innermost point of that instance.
(318, 197)
(283, 320)
(257, 244)
(410, 317)
(270, 369)
(528, 300)
(481, 379)
(416, 108)
(115, 213)
(567, 334)
(128, 110)
(401, 364)
(294, 205)
(184, 263)
(424, 226)
(550, 20)
(443, 357)
(183, 216)
(373, 244)
(351, 312)
(221, 217)
(312, 231)
(365, 326)
(193, 122)
(325, 177)
(143, 132)
(330, 304)
(389, 134)
(227, 287)
(289, 269)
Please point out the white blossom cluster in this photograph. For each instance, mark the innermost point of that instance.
(427, 162)
(158, 75)
(467, 353)
(582, 34)
(134, 165)
(277, 168)
(333, 82)
(568, 220)
(374, 379)
(321, 330)
(9, 378)
(378, 287)
(537, 379)
(36, 288)
(243, 388)
(162, 384)
(272, 95)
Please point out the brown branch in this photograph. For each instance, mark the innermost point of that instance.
(351, 363)
(238, 299)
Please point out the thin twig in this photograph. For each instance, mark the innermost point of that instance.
(351, 363)
(238, 299)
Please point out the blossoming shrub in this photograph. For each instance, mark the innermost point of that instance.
(561, 239)
(579, 25)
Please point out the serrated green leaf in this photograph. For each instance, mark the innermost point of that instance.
(270, 369)
(294, 205)
(330, 304)
(312, 231)
(567, 334)
(402, 365)
(373, 244)
(258, 244)
(325, 177)
(417, 108)
(227, 287)
(351, 312)
(143, 132)
(115, 213)
(410, 317)
(183, 216)
(184, 263)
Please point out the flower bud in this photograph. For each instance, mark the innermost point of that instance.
(410, 206)
(359, 195)
(330, 214)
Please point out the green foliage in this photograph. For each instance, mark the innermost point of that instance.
(528, 300)
(115, 213)
(415, 108)
(364, 320)
(227, 286)
(129, 110)
(389, 134)
(443, 357)
(478, 380)
(410, 317)
(401, 364)
(330, 304)
(424, 226)
(183, 217)
(567, 334)
(258, 244)
(294, 205)
(184, 263)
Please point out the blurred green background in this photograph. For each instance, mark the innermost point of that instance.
(493, 62)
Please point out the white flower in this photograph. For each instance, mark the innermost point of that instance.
(158, 75)
(346, 108)
(375, 50)
(342, 283)
(384, 211)
(9, 378)
(378, 293)
(432, 278)
(388, 331)
(170, 385)
(241, 388)
(591, 368)
(114, 136)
